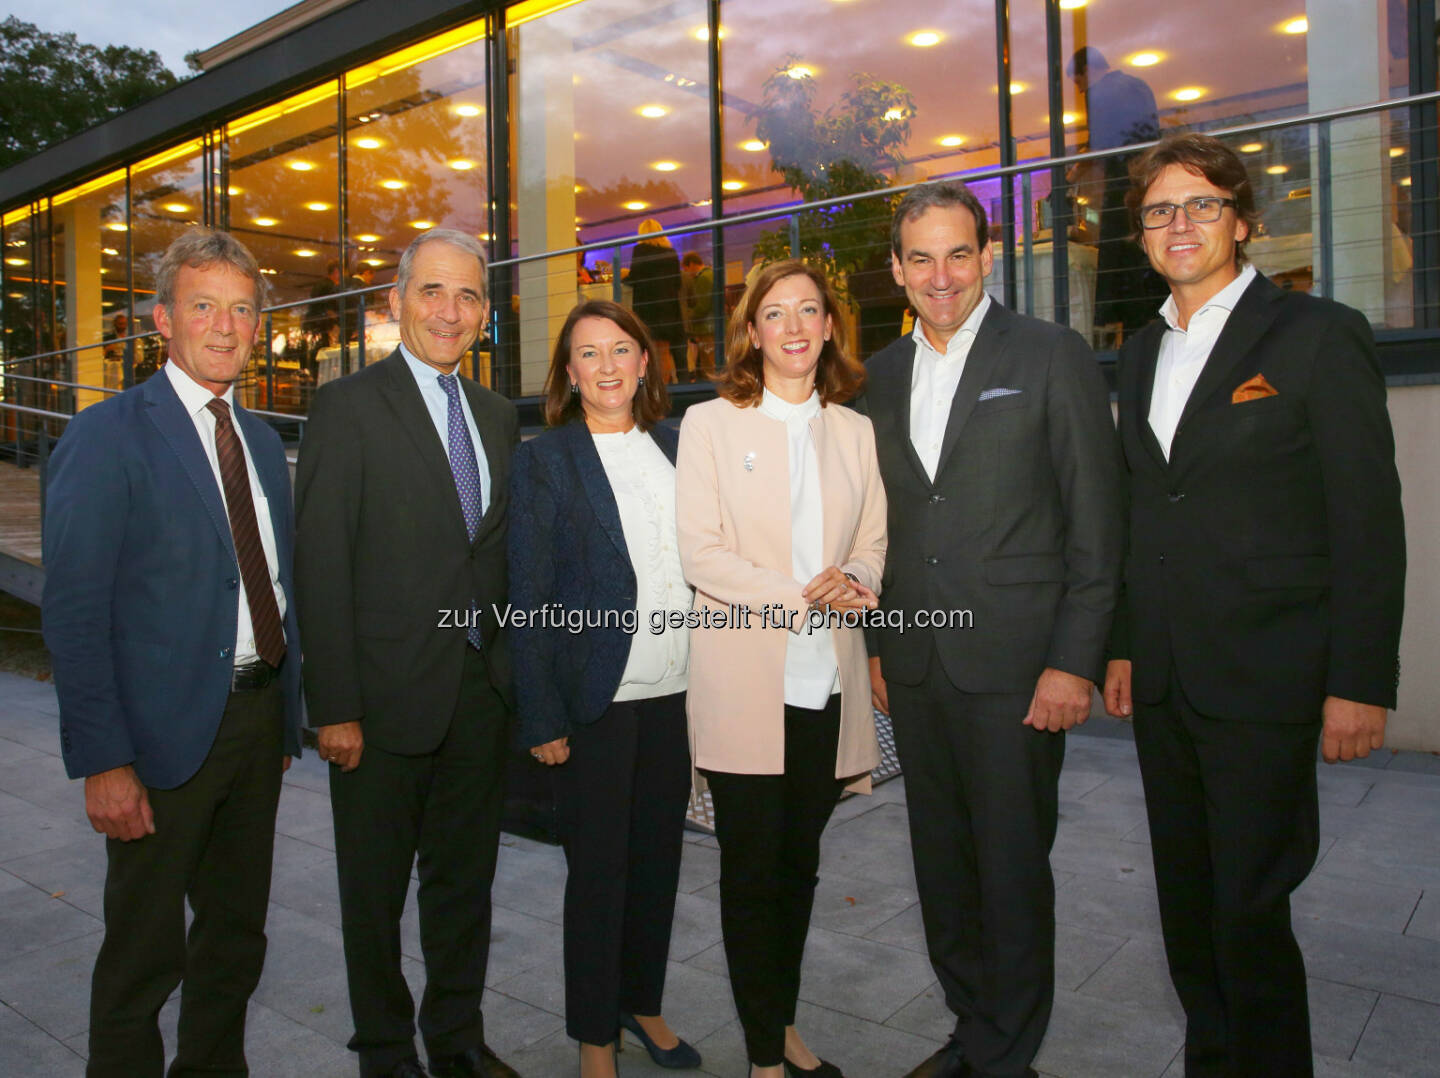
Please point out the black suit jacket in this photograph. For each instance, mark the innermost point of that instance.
(1267, 557)
(382, 557)
(1022, 524)
(567, 547)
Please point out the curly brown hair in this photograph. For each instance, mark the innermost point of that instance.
(839, 376)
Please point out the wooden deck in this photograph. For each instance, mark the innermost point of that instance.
(20, 512)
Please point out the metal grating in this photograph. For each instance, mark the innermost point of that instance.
(701, 815)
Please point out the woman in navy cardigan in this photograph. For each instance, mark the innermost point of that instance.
(594, 570)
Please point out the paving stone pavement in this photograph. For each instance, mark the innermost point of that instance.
(1368, 920)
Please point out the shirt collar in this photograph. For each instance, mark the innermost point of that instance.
(1225, 299)
(783, 410)
(422, 370)
(192, 394)
(971, 326)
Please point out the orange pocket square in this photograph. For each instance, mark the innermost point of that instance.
(1253, 390)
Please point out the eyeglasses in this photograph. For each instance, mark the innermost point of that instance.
(1201, 211)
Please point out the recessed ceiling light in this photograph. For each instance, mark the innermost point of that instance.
(104, 270)
(923, 39)
(637, 205)
(392, 185)
(702, 33)
(462, 164)
(110, 251)
(17, 262)
(733, 185)
(368, 237)
(266, 222)
(373, 261)
(665, 166)
(468, 110)
(1189, 93)
(1278, 170)
(753, 145)
(653, 112)
(1298, 25)
(1405, 182)
(301, 166)
(1071, 5)
(176, 207)
(1252, 147)
(368, 143)
(800, 71)
(1068, 118)
(118, 226)
(317, 207)
(1143, 59)
(1397, 151)
(305, 252)
(422, 226)
(952, 140)
(232, 191)
(1018, 88)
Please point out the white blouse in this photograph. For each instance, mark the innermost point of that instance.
(643, 480)
(811, 672)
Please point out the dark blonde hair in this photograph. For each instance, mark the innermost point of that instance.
(651, 403)
(838, 375)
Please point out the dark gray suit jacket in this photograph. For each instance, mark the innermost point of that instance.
(381, 553)
(1022, 524)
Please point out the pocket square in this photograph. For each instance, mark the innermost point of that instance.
(1253, 390)
(998, 391)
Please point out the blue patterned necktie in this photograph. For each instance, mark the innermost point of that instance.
(467, 475)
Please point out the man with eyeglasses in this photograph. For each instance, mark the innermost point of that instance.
(1263, 593)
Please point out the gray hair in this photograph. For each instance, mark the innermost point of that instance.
(942, 194)
(455, 238)
(200, 248)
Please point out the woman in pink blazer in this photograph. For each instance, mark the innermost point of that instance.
(781, 525)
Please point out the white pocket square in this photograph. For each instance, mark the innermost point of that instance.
(998, 391)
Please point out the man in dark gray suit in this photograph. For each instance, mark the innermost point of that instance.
(1001, 468)
(401, 494)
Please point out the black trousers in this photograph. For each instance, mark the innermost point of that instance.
(442, 811)
(769, 829)
(1234, 829)
(621, 799)
(982, 793)
(213, 842)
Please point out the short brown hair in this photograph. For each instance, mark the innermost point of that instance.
(1202, 154)
(838, 376)
(651, 403)
(940, 194)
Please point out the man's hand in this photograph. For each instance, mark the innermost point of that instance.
(118, 805)
(879, 692)
(341, 744)
(1351, 729)
(1061, 701)
(1117, 689)
(552, 752)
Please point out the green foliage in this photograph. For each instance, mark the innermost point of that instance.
(854, 146)
(53, 86)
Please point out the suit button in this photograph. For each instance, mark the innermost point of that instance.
(1162, 559)
(225, 653)
(1177, 495)
(932, 561)
(232, 584)
(936, 499)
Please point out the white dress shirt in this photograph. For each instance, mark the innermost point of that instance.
(1183, 353)
(643, 480)
(194, 397)
(438, 405)
(933, 382)
(811, 672)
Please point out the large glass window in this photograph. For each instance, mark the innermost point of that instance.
(92, 281)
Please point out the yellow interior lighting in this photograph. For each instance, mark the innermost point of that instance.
(418, 53)
(304, 99)
(165, 157)
(534, 9)
(14, 217)
(97, 184)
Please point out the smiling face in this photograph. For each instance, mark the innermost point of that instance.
(443, 307)
(1196, 260)
(790, 329)
(942, 268)
(606, 365)
(212, 324)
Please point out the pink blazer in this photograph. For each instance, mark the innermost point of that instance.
(733, 512)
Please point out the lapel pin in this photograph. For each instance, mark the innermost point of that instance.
(749, 462)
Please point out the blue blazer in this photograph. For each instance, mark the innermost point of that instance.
(567, 547)
(140, 585)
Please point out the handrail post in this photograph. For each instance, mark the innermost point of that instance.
(269, 363)
(1327, 226)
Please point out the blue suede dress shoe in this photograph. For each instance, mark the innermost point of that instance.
(682, 1057)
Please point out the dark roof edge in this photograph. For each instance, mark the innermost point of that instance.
(318, 50)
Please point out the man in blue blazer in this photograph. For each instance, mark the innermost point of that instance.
(170, 622)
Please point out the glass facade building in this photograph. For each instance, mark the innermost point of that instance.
(551, 125)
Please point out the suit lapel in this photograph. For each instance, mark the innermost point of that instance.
(178, 429)
(903, 386)
(985, 353)
(1147, 355)
(595, 482)
(414, 418)
(1245, 326)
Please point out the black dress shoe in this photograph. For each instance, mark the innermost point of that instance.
(407, 1068)
(949, 1062)
(477, 1062)
(824, 1070)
